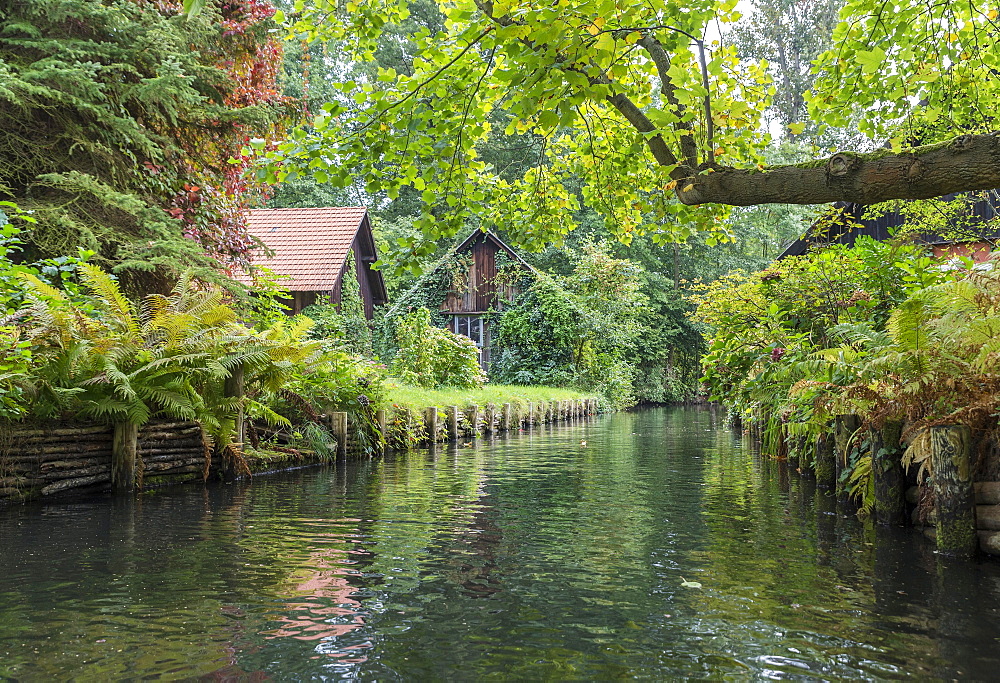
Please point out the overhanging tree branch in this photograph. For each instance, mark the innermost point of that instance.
(964, 164)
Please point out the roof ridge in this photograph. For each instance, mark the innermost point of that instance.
(311, 208)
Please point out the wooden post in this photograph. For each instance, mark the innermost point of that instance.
(826, 469)
(233, 388)
(844, 427)
(453, 422)
(338, 424)
(505, 418)
(954, 500)
(431, 423)
(794, 452)
(807, 457)
(490, 414)
(383, 430)
(887, 469)
(527, 419)
(123, 449)
(474, 420)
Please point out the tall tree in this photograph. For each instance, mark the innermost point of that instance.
(788, 35)
(123, 125)
(660, 126)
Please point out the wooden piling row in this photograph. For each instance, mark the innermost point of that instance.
(964, 515)
(452, 423)
(40, 461)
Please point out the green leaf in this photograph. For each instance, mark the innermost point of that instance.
(193, 7)
(871, 60)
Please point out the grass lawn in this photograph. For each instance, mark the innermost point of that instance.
(416, 398)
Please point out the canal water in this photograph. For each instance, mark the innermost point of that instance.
(652, 545)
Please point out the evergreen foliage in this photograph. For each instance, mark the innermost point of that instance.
(123, 125)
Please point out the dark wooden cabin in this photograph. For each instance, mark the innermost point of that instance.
(310, 247)
(980, 235)
(481, 285)
(468, 303)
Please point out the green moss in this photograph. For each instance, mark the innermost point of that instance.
(956, 535)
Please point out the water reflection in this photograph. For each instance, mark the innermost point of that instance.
(534, 556)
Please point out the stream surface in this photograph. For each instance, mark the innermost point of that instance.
(525, 557)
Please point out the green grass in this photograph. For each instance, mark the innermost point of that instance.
(416, 398)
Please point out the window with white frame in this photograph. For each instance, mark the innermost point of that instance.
(470, 326)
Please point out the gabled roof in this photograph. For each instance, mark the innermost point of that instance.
(488, 236)
(310, 245)
(465, 244)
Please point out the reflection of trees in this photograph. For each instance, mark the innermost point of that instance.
(778, 552)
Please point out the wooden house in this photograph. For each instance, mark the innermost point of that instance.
(311, 247)
(481, 287)
(982, 232)
(477, 277)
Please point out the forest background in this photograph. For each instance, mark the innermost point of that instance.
(626, 300)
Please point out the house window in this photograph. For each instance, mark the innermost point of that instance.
(476, 329)
(470, 326)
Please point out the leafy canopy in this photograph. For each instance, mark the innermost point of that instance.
(627, 99)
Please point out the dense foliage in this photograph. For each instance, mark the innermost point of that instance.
(877, 330)
(431, 357)
(576, 330)
(124, 127)
(628, 109)
(89, 352)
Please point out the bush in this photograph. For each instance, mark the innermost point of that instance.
(432, 357)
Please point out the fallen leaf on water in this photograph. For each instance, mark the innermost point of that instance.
(689, 584)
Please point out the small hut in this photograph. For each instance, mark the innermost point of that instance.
(473, 281)
(975, 239)
(311, 247)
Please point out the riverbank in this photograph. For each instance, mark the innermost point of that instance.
(422, 417)
(46, 459)
(942, 480)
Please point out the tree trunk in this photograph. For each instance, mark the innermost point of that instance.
(123, 449)
(954, 500)
(887, 469)
(966, 163)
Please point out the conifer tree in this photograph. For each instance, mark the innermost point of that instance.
(122, 125)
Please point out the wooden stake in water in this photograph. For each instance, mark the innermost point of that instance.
(954, 499)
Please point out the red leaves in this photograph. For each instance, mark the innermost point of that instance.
(213, 200)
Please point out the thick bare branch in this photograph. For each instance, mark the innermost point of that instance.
(653, 47)
(966, 163)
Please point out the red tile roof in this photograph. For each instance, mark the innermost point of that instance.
(310, 245)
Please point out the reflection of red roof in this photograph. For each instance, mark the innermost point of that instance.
(310, 245)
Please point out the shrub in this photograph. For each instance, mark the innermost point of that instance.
(432, 357)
